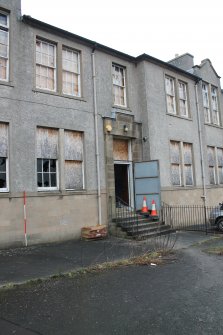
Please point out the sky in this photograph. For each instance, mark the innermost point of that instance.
(159, 28)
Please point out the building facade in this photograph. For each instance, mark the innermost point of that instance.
(76, 116)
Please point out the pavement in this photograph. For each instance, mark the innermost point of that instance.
(20, 265)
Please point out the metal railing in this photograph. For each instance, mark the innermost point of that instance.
(194, 218)
(122, 214)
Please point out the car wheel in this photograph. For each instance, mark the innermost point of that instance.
(220, 224)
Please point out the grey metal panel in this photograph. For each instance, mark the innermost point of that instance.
(147, 183)
(141, 185)
(146, 169)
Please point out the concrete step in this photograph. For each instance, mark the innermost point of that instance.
(154, 234)
(132, 221)
(144, 224)
(145, 230)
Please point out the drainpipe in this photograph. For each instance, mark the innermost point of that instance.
(96, 137)
(204, 196)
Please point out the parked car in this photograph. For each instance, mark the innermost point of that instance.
(216, 217)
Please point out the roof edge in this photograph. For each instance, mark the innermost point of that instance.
(157, 61)
(97, 46)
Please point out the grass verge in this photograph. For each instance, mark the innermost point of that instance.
(214, 250)
(152, 258)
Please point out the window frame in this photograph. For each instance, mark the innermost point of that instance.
(171, 79)
(6, 28)
(124, 87)
(6, 189)
(177, 98)
(65, 47)
(206, 109)
(184, 99)
(55, 67)
(215, 111)
(43, 188)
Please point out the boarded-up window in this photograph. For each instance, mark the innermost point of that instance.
(220, 165)
(181, 164)
(3, 140)
(120, 150)
(211, 165)
(73, 153)
(47, 143)
(47, 155)
(3, 157)
(175, 163)
(187, 161)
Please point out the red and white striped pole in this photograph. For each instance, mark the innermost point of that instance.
(24, 211)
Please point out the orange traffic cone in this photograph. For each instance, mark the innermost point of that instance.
(144, 206)
(153, 211)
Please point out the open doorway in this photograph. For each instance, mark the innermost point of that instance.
(122, 182)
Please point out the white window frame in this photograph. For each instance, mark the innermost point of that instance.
(6, 189)
(215, 109)
(171, 80)
(54, 67)
(119, 86)
(206, 102)
(57, 177)
(78, 73)
(6, 29)
(184, 98)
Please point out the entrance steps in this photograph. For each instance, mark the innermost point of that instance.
(140, 227)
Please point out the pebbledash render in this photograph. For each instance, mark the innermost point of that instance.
(76, 115)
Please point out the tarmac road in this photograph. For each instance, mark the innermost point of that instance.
(182, 297)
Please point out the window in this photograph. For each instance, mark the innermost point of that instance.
(170, 95)
(206, 105)
(177, 102)
(73, 152)
(183, 107)
(4, 47)
(71, 72)
(181, 164)
(119, 85)
(211, 111)
(214, 103)
(215, 165)
(45, 65)
(3, 157)
(47, 158)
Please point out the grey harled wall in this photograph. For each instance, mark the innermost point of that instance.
(50, 215)
(60, 215)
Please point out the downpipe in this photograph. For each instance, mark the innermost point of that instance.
(204, 196)
(96, 138)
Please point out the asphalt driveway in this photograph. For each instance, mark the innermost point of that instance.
(182, 296)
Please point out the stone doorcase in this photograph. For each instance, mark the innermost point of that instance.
(121, 127)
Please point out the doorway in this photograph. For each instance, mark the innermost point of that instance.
(122, 182)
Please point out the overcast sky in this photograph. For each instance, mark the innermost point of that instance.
(159, 28)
